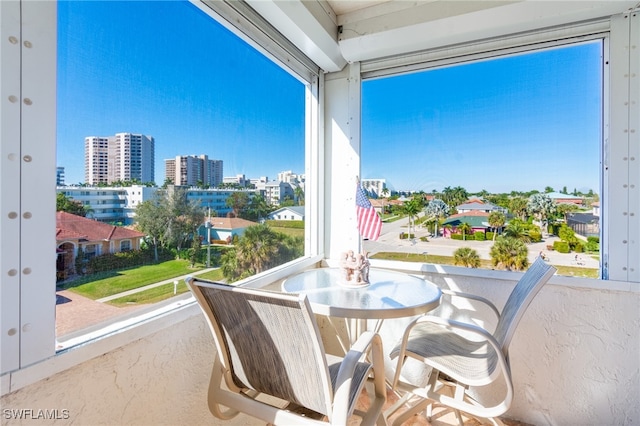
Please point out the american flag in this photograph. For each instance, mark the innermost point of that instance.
(369, 223)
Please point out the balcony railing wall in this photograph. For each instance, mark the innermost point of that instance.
(574, 360)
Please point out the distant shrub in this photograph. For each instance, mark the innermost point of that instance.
(578, 248)
(479, 236)
(489, 235)
(535, 235)
(425, 239)
(456, 236)
(127, 259)
(593, 244)
(404, 235)
(561, 247)
(296, 224)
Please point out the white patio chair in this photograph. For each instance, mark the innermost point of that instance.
(464, 357)
(271, 364)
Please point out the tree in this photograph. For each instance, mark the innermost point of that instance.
(460, 195)
(238, 201)
(258, 208)
(563, 209)
(69, 205)
(496, 220)
(385, 194)
(299, 194)
(466, 256)
(519, 230)
(152, 219)
(260, 248)
(464, 228)
(509, 253)
(541, 206)
(194, 251)
(518, 206)
(185, 217)
(169, 219)
(436, 210)
(412, 208)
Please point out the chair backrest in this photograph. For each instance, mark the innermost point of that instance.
(525, 290)
(268, 342)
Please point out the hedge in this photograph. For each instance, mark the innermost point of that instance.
(561, 247)
(296, 224)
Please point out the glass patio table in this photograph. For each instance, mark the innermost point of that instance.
(389, 295)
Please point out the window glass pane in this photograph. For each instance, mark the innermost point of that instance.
(507, 147)
(176, 141)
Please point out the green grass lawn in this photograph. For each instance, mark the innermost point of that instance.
(162, 292)
(107, 284)
(571, 271)
(294, 232)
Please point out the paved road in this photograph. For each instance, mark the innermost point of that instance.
(390, 241)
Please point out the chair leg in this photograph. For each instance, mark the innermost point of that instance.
(410, 412)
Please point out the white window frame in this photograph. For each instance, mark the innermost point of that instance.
(27, 259)
(620, 150)
(28, 118)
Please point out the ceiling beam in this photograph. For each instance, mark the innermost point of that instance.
(366, 35)
(310, 25)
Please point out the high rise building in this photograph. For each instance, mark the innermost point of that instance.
(60, 176)
(122, 157)
(191, 169)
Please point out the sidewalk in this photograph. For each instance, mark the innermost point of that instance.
(146, 287)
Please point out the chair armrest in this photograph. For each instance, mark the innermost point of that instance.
(367, 340)
(454, 325)
(487, 302)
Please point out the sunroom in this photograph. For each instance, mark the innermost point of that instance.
(576, 354)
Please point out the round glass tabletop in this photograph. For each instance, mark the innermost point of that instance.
(390, 294)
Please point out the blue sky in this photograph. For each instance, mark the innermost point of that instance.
(165, 69)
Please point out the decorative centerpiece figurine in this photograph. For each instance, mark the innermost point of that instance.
(354, 268)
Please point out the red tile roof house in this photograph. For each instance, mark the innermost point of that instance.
(93, 237)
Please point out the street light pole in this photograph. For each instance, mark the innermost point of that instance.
(208, 226)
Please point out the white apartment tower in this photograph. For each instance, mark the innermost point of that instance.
(96, 156)
(190, 169)
(123, 157)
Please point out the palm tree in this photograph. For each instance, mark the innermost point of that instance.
(412, 208)
(435, 210)
(518, 206)
(466, 256)
(299, 194)
(518, 229)
(385, 194)
(464, 227)
(258, 208)
(541, 206)
(257, 248)
(460, 195)
(496, 220)
(509, 253)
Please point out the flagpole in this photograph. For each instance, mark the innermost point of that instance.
(360, 238)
